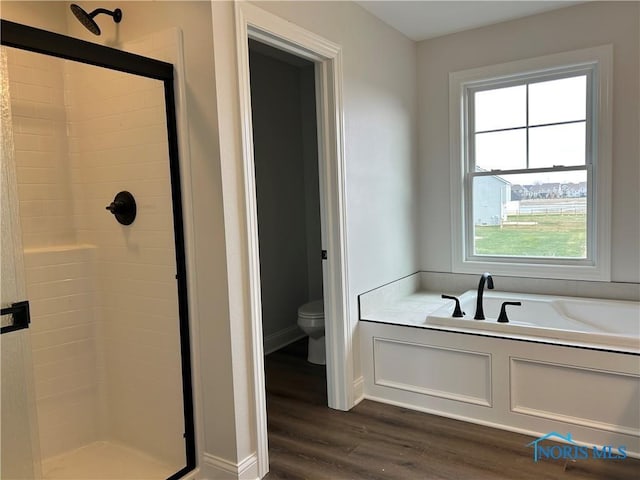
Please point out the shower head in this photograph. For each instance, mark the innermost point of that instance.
(87, 18)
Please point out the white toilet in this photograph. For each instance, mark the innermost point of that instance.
(311, 322)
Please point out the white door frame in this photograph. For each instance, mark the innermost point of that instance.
(253, 22)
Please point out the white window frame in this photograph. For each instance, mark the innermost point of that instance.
(598, 61)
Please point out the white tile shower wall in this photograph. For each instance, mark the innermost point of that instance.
(36, 83)
(118, 142)
(58, 272)
(66, 353)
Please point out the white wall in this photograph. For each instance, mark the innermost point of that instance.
(581, 26)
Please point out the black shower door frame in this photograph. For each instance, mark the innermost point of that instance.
(36, 40)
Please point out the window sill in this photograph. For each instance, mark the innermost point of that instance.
(534, 270)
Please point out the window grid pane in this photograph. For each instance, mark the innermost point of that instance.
(538, 214)
(557, 101)
(504, 150)
(497, 161)
(500, 108)
(555, 145)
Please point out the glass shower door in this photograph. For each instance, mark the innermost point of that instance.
(19, 458)
(104, 270)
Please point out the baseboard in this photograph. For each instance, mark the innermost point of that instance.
(248, 468)
(358, 390)
(216, 468)
(282, 338)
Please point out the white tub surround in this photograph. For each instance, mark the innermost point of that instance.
(611, 323)
(596, 323)
(523, 376)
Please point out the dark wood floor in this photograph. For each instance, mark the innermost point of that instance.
(307, 440)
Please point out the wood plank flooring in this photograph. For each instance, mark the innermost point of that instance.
(307, 440)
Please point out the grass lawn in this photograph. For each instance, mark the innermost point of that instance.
(544, 235)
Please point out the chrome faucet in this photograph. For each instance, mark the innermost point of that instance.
(485, 277)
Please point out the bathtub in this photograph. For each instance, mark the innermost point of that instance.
(610, 324)
(562, 364)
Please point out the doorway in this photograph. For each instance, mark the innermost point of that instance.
(254, 23)
(287, 191)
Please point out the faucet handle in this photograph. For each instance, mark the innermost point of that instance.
(502, 318)
(457, 312)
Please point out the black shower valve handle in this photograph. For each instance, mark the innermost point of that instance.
(457, 311)
(123, 207)
(115, 207)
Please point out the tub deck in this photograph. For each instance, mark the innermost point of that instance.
(582, 323)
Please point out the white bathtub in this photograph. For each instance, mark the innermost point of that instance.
(610, 324)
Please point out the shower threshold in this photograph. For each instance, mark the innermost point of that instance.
(105, 461)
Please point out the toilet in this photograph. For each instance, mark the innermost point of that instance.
(311, 322)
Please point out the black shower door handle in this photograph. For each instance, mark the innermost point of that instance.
(21, 316)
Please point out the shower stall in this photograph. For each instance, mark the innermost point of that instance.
(96, 382)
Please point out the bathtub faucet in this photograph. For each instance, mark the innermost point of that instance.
(485, 277)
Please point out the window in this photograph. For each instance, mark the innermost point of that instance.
(530, 147)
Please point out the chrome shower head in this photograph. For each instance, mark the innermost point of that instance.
(87, 18)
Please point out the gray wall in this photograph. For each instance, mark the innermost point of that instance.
(311, 181)
(286, 163)
(586, 25)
